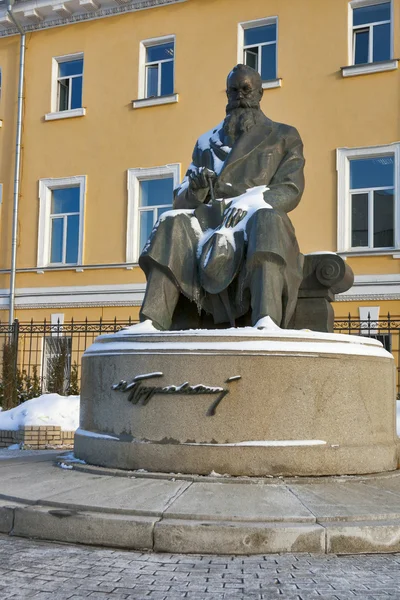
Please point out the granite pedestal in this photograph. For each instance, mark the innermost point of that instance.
(242, 402)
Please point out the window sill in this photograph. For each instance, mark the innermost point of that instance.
(143, 102)
(394, 252)
(377, 67)
(272, 83)
(65, 114)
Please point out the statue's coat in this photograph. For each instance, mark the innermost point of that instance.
(268, 154)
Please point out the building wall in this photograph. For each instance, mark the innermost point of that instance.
(329, 111)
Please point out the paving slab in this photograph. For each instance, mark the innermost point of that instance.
(32, 482)
(387, 484)
(236, 502)
(120, 531)
(347, 500)
(219, 537)
(127, 496)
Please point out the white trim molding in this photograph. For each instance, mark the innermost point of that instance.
(134, 178)
(56, 14)
(372, 288)
(376, 67)
(144, 102)
(267, 84)
(127, 294)
(353, 69)
(45, 188)
(65, 114)
(343, 157)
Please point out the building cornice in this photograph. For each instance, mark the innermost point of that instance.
(85, 296)
(372, 288)
(34, 15)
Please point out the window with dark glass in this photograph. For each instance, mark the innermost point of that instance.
(260, 49)
(372, 202)
(160, 70)
(69, 84)
(155, 197)
(64, 225)
(372, 33)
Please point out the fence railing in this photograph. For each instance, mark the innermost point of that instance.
(386, 330)
(36, 357)
(45, 356)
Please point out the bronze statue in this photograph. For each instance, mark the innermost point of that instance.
(228, 251)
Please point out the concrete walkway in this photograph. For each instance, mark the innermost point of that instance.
(183, 514)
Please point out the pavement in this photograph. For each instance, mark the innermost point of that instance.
(50, 571)
(45, 496)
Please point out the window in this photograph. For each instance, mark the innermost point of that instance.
(156, 72)
(61, 221)
(67, 84)
(150, 194)
(160, 70)
(368, 188)
(64, 225)
(56, 364)
(257, 47)
(370, 38)
(372, 33)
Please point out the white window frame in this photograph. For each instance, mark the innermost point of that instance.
(135, 176)
(143, 100)
(55, 112)
(370, 67)
(343, 157)
(46, 186)
(46, 356)
(271, 83)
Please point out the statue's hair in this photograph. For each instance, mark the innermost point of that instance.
(248, 71)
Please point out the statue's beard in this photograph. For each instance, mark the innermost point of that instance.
(239, 120)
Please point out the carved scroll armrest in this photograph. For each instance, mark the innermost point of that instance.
(325, 274)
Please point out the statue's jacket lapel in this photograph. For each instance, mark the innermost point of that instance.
(252, 161)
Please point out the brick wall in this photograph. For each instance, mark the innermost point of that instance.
(38, 437)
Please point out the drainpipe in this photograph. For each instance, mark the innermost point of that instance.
(17, 168)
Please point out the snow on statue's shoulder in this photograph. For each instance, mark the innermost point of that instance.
(204, 140)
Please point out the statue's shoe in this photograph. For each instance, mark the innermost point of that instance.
(266, 323)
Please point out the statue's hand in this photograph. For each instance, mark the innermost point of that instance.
(200, 180)
(232, 217)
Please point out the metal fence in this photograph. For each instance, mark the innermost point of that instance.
(40, 347)
(386, 330)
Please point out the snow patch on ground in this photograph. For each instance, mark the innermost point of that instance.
(48, 409)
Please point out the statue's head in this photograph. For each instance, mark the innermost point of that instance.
(243, 88)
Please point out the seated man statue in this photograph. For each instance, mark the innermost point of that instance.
(229, 245)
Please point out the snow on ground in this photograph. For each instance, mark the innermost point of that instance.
(48, 409)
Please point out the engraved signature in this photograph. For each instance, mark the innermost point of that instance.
(141, 394)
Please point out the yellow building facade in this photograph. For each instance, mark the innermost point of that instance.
(116, 94)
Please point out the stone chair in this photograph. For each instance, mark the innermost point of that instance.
(324, 275)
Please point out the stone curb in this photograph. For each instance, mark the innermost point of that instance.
(135, 532)
(186, 514)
